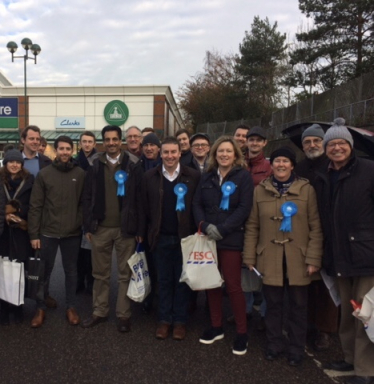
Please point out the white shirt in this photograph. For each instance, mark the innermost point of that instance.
(174, 175)
(113, 161)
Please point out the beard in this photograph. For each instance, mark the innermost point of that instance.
(314, 154)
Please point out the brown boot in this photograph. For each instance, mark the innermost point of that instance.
(73, 316)
(38, 319)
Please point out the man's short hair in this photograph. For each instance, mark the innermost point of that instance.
(43, 140)
(170, 140)
(133, 127)
(182, 130)
(87, 133)
(63, 139)
(148, 129)
(242, 126)
(34, 128)
(111, 128)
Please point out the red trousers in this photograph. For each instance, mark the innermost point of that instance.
(230, 263)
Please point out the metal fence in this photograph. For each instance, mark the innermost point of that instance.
(354, 101)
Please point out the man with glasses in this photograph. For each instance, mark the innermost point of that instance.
(322, 312)
(134, 141)
(200, 147)
(345, 193)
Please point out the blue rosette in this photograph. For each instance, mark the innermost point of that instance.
(121, 177)
(227, 189)
(180, 190)
(288, 209)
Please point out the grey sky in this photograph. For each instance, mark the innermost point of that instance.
(129, 42)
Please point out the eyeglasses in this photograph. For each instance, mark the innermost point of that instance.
(310, 142)
(200, 145)
(133, 137)
(337, 143)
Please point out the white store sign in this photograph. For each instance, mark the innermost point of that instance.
(70, 122)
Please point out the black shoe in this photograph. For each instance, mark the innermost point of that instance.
(92, 321)
(123, 324)
(240, 344)
(211, 335)
(295, 360)
(361, 380)
(147, 307)
(271, 355)
(340, 366)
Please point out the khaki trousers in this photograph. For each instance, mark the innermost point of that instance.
(358, 349)
(103, 241)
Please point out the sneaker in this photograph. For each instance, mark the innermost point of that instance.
(240, 344)
(211, 335)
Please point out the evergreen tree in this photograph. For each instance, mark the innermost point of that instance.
(341, 41)
(260, 65)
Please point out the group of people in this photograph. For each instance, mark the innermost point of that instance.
(284, 219)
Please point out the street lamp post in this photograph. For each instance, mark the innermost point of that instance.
(28, 46)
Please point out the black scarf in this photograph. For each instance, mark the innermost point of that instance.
(63, 167)
(82, 159)
(283, 186)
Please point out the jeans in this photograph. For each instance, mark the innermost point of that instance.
(69, 247)
(249, 300)
(173, 295)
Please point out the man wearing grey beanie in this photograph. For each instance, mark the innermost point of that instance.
(345, 193)
(322, 312)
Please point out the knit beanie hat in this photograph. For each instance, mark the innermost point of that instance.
(338, 131)
(257, 131)
(151, 138)
(284, 152)
(13, 155)
(314, 130)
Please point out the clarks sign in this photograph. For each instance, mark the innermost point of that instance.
(70, 122)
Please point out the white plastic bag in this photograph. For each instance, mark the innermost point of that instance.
(12, 281)
(366, 314)
(200, 263)
(140, 283)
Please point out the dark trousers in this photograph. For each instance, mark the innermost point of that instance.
(322, 312)
(230, 264)
(84, 268)
(297, 317)
(69, 247)
(173, 295)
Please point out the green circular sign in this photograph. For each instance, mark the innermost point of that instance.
(116, 112)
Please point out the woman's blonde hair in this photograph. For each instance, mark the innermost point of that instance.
(212, 161)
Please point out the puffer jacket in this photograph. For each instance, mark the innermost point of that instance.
(230, 223)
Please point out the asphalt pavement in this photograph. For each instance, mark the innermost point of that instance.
(60, 353)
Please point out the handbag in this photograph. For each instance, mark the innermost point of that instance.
(34, 275)
(12, 281)
(140, 283)
(251, 282)
(200, 262)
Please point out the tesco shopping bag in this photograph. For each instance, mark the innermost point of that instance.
(365, 313)
(140, 283)
(200, 263)
(12, 281)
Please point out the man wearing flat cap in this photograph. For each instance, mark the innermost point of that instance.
(257, 164)
(345, 193)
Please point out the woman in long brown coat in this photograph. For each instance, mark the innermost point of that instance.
(283, 240)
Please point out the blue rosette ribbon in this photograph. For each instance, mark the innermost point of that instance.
(120, 177)
(288, 209)
(180, 190)
(227, 189)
